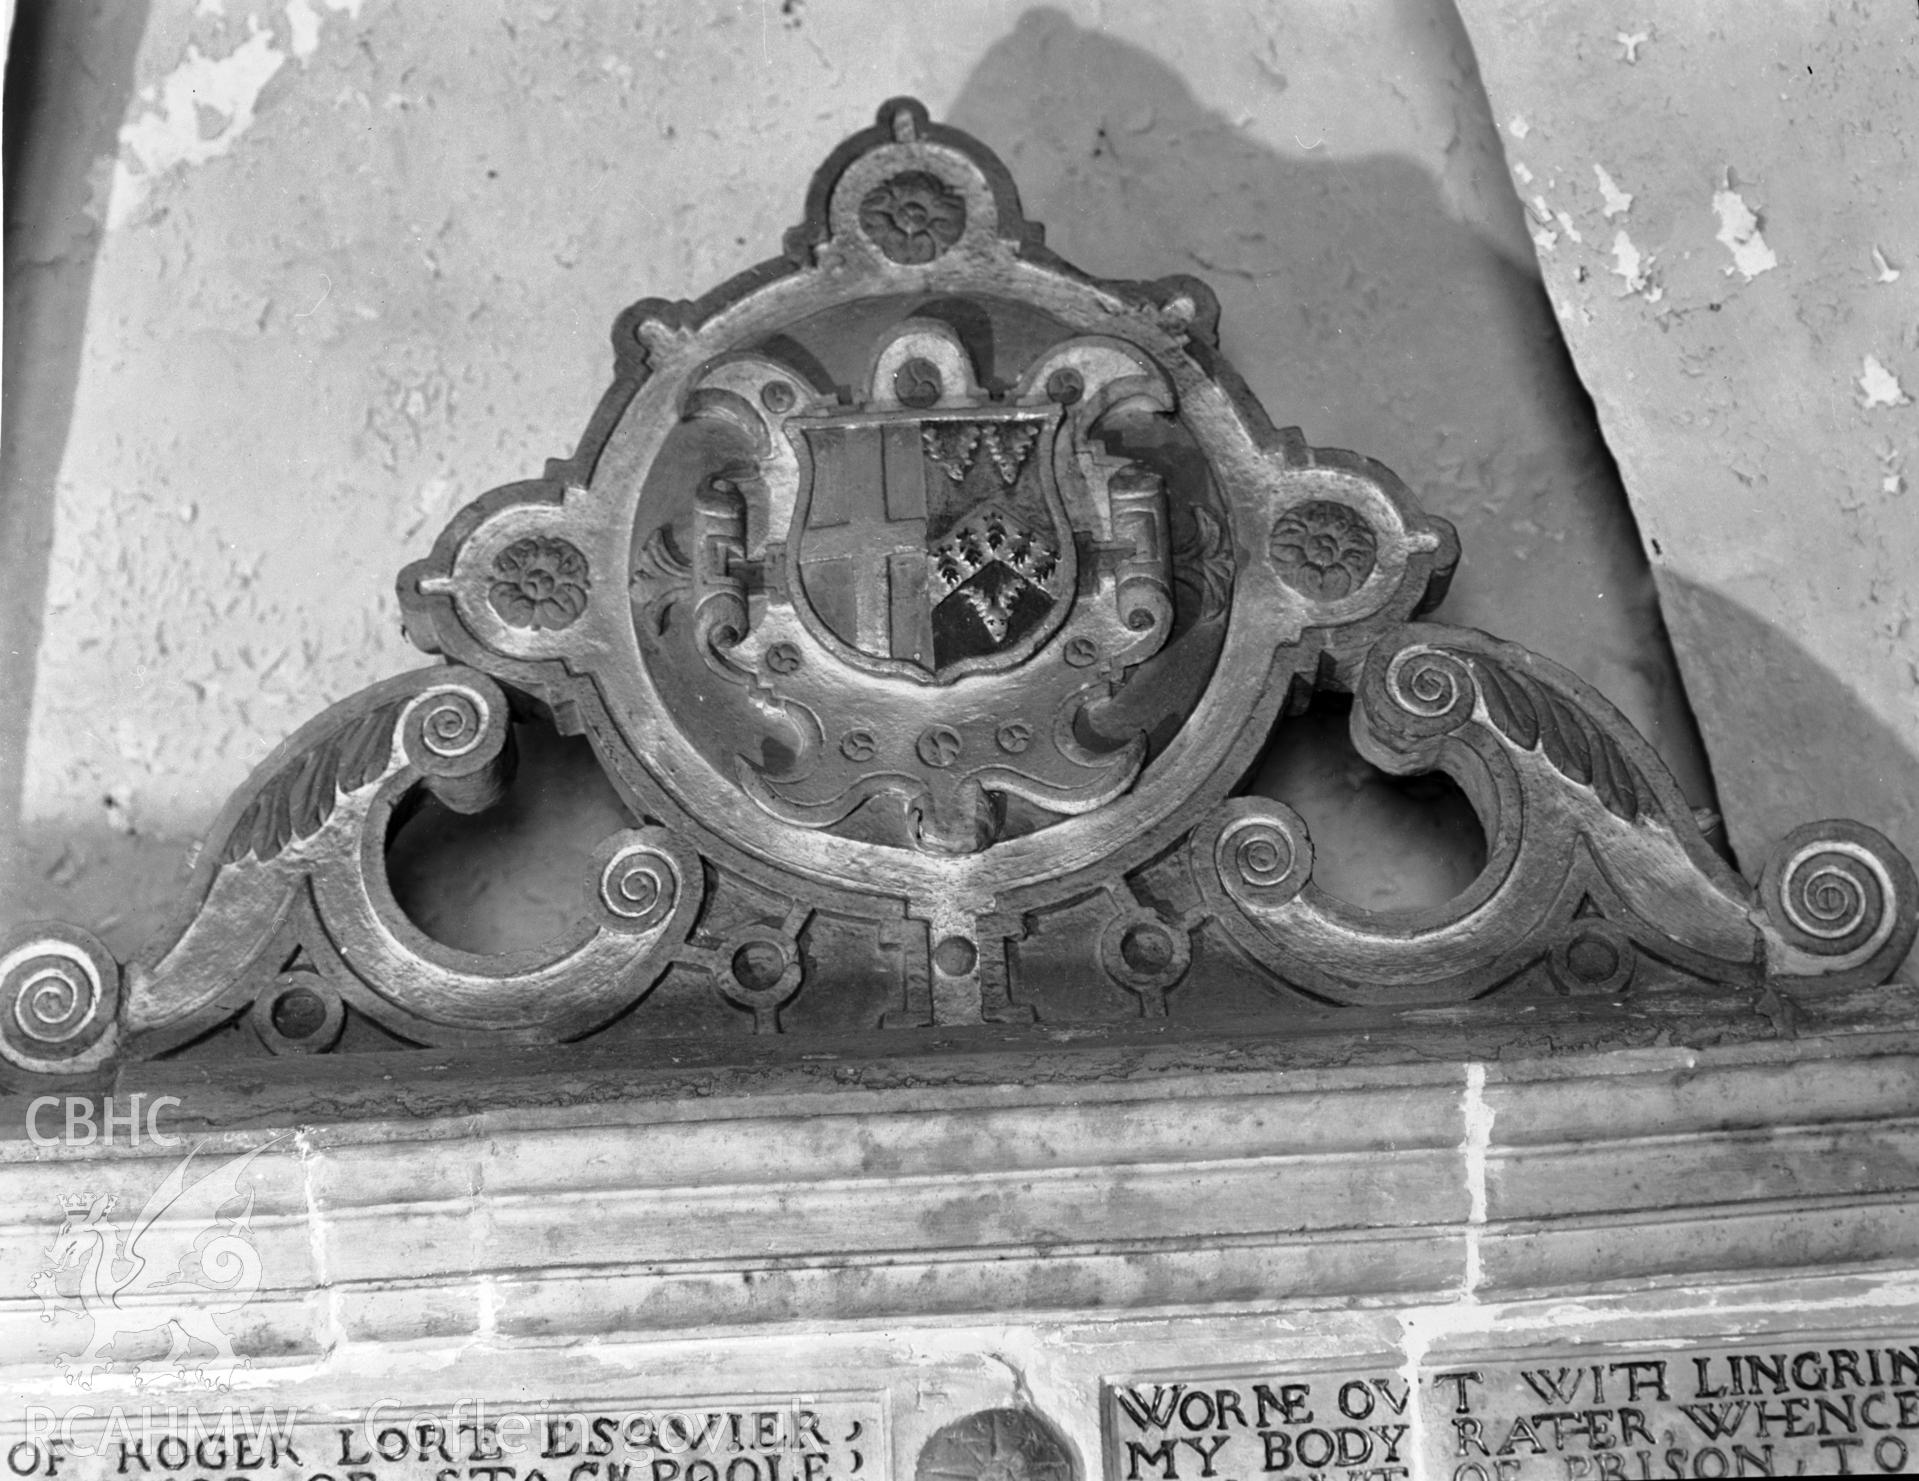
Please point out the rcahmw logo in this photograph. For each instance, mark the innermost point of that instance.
(185, 1260)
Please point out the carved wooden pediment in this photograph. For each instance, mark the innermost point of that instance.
(928, 602)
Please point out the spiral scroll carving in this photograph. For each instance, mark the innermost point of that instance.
(639, 886)
(1263, 852)
(1834, 895)
(1434, 689)
(1841, 893)
(446, 725)
(59, 991)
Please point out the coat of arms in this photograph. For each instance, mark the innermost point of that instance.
(954, 582)
(938, 541)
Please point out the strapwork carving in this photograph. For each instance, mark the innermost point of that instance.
(928, 603)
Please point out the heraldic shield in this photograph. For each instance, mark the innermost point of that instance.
(939, 541)
(929, 526)
(966, 576)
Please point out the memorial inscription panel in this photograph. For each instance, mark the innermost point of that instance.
(756, 1438)
(1798, 1407)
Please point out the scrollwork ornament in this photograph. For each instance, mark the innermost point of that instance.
(447, 724)
(457, 734)
(59, 993)
(1263, 851)
(638, 886)
(1839, 894)
(1833, 895)
(1432, 690)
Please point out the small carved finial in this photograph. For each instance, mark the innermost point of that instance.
(905, 126)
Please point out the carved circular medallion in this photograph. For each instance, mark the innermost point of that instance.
(540, 582)
(917, 383)
(1142, 952)
(913, 217)
(1324, 550)
(300, 1014)
(996, 1445)
(1594, 958)
(955, 956)
(939, 747)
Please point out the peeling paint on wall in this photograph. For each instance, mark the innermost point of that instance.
(206, 104)
(1617, 201)
(1739, 233)
(1879, 387)
(1630, 265)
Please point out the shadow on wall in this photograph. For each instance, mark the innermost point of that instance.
(69, 76)
(1356, 303)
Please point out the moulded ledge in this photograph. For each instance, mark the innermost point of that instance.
(1700, 1244)
(1203, 1275)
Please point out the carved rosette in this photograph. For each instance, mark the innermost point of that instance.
(1324, 550)
(886, 642)
(913, 216)
(542, 583)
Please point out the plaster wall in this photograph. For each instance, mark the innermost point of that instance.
(1727, 218)
(352, 262)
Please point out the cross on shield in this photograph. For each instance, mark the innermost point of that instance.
(932, 538)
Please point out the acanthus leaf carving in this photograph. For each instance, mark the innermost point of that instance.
(297, 801)
(1529, 715)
